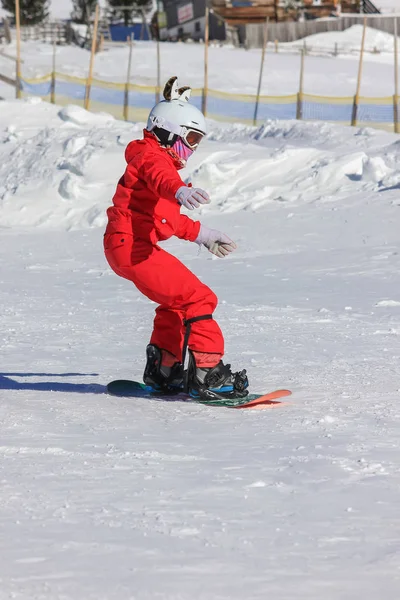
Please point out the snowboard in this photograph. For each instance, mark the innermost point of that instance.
(126, 388)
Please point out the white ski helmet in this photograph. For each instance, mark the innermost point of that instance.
(175, 115)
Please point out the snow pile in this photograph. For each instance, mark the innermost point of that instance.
(349, 40)
(298, 163)
(59, 167)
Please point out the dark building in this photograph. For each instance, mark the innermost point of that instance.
(185, 19)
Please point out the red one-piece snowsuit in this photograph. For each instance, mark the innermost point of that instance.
(144, 212)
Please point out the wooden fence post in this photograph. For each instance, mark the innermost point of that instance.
(18, 61)
(206, 42)
(265, 42)
(299, 109)
(396, 81)
(92, 53)
(158, 88)
(128, 79)
(7, 32)
(53, 76)
(360, 65)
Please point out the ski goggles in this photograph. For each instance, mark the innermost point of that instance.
(190, 137)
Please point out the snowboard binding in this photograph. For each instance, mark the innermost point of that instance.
(205, 383)
(215, 383)
(159, 377)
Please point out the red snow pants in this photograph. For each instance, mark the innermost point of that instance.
(180, 294)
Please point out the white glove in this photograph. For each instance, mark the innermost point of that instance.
(192, 197)
(216, 242)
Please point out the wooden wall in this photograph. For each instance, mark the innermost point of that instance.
(237, 12)
(291, 31)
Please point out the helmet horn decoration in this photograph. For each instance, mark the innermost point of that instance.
(172, 92)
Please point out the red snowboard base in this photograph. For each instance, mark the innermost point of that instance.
(269, 400)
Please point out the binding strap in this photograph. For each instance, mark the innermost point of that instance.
(188, 324)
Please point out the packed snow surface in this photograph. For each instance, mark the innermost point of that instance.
(108, 499)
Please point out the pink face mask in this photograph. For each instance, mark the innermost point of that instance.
(182, 150)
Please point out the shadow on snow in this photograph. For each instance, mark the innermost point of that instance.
(6, 383)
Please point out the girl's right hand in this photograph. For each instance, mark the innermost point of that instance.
(192, 197)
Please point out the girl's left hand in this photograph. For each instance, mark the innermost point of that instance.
(215, 241)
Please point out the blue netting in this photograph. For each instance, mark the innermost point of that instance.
(377, 113)
(322, 111)
(230, 108)
(36, 89)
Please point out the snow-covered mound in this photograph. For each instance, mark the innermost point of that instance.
(59, 167)
(349, 40)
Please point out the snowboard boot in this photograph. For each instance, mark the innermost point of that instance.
(215, 383)
(159, 376)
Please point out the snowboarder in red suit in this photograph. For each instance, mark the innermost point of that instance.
(146, 210)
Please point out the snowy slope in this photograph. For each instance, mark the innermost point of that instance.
(107, 499)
